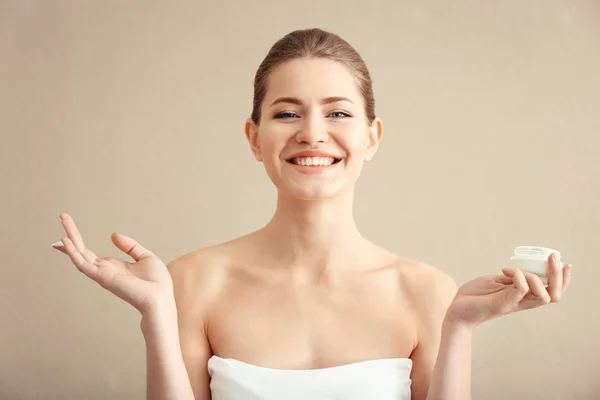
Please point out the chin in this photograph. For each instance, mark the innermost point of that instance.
(302, 193)
(314, 190)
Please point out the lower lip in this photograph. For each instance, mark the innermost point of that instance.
(311, 170)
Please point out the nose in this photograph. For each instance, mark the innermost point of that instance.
(313, 130)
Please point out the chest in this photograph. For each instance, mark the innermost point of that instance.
(275, 324)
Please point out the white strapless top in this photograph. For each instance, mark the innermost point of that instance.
(384, 379)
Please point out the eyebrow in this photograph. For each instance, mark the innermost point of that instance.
(295, 100)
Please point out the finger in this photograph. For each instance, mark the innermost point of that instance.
(88, 255)
(566, 277)
(505, 279)
(555, 277)
(510, 272)
(77, 258)
(72, 231)
(520, 287)
(131, 247)
(537, 288)
(75, 236)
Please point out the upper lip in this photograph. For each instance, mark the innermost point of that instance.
(313, 153)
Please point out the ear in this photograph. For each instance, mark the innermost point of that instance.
(375, 134)
(252, 136)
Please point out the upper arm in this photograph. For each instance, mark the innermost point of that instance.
(432, 291)
(194, 293)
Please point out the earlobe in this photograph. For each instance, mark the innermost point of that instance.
(375, 135)
(252, 135)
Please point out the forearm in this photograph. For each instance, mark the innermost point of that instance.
(166, 375)
(451, 379)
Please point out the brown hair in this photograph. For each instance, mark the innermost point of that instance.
(313, 43)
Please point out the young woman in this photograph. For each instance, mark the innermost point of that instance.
(306, 307)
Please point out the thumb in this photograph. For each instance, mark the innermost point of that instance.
(130, 247)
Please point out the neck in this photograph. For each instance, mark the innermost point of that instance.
(314, 234)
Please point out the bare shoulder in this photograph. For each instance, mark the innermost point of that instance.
(429, 288)
(203, 263)
(199, 276)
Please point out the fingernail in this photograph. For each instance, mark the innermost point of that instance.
(57, 244)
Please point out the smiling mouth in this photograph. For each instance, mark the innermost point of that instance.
(314, 161)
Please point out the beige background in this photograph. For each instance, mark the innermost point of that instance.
(129, 115)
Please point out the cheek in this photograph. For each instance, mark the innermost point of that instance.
(356, 142)
(271, 143)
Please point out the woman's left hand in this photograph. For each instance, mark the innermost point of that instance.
(489, 297)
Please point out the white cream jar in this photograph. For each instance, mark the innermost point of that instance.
(532, 259)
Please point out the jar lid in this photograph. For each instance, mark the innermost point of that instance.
(534, 252)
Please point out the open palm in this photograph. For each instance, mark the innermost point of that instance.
(143, 283)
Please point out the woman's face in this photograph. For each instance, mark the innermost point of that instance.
(313, 137)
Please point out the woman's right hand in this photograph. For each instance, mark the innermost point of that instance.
(145, 284)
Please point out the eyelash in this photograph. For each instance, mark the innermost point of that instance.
(290, 114)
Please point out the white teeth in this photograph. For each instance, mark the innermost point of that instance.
(314, 161)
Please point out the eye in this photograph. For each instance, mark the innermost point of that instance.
(339, 114)
(286, 114)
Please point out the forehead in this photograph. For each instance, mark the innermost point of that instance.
(312, 79)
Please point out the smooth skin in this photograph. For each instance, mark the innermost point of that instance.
(307, 290)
